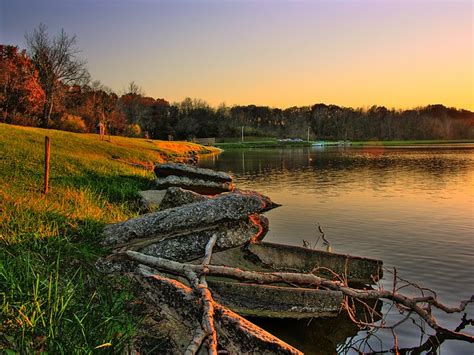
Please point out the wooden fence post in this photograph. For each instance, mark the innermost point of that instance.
(47, 153)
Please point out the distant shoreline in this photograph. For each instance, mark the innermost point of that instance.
(357, 144)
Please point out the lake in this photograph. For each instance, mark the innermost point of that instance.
(412, 207)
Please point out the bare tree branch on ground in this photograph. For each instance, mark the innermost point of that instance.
(420, 305)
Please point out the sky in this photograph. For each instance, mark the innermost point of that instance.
(396, 53)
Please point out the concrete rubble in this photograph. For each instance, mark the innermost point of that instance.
(195, 204)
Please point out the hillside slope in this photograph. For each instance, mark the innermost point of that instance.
(51, 297)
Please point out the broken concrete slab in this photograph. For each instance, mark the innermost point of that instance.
(275, 301)
(151, 200)
(176, 196)
(189, 177)
(194, 217)
(280, 257)
(192, 246)
(205, 187)
(192, 172)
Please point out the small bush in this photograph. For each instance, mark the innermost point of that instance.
(72, 123)
(23, 120)
(133, 130)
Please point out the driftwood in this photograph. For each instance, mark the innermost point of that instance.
(207, 323)
(198, 216)
(190, 226)
(419, 305)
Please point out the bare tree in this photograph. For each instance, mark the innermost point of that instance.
(133, 89)
(57, 63)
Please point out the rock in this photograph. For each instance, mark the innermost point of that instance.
(235, 334)
(205, 187)
(272, 301)
(176, 196)
(151, 200)
(189, 177)
(192, 246)
(192, 172)
(191, 218)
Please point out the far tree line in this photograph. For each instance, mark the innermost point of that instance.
(48, 85)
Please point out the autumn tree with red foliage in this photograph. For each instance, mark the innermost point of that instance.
(21, 94)
(94, 104)
(58, 65)
(50, 87)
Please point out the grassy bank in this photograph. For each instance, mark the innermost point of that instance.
(52, 299)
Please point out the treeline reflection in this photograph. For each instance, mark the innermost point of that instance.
(347, 168)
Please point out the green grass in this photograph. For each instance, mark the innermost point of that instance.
(52, 299)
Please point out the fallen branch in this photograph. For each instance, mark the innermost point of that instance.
(200, 286)
(429, 346)
(412, 303)
(196, 342)
(232, 329)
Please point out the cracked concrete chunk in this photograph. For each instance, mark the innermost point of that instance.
(189, 177)
(176, 196)
(151, 199)
(191, 171)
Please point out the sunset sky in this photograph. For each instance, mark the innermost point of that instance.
(397, 53)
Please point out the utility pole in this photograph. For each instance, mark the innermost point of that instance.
(308, 134)
(242, 133)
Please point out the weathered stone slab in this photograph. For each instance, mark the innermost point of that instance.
(270, 257)
(176, 196)
(192, 246)
(234, 334)
(194, 217)
(151, 200)
(280, 257)
(190, 171)
(201, 186)
(276, 301)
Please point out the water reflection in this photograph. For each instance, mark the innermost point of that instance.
(412, 208)
(305, 333)
(258, 164)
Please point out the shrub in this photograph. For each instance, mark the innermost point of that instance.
(133, 130)
(72, 123)
(23, 120)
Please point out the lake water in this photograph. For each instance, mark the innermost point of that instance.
(411, 207)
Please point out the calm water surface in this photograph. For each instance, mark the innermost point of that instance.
(412, 208)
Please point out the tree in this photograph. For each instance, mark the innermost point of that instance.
(57, 63)
(20, 89)
(100, 103)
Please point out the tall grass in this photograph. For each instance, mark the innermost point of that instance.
(52, 299)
